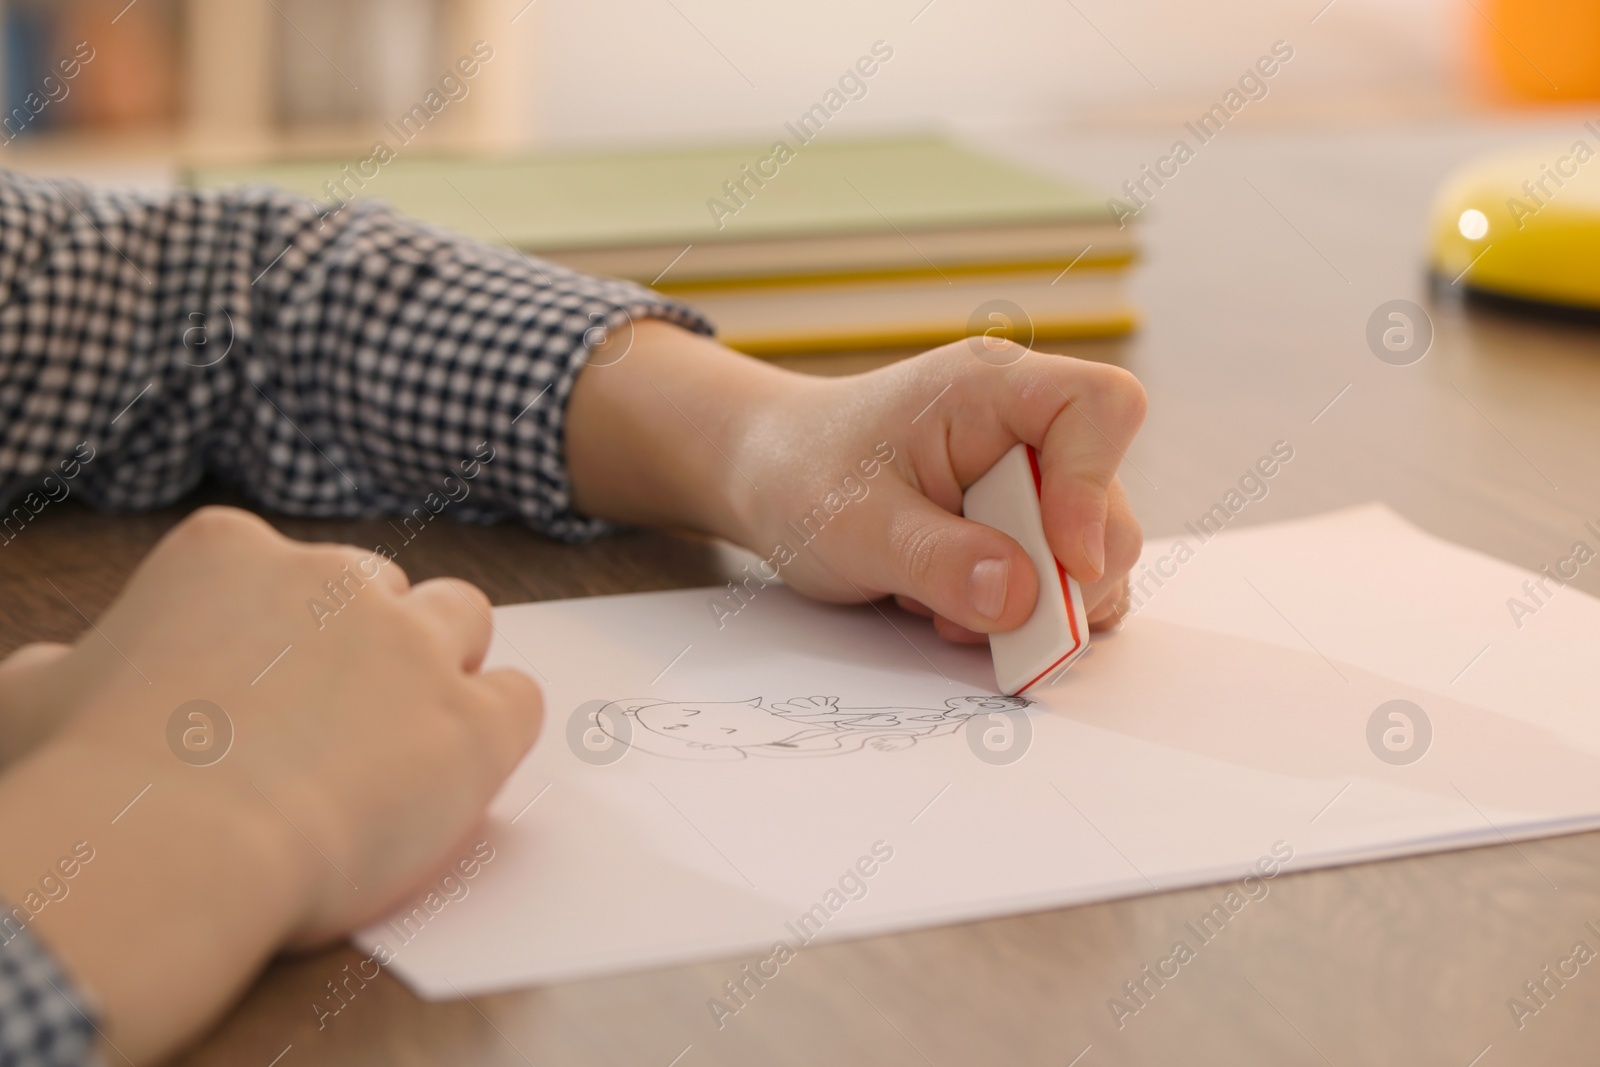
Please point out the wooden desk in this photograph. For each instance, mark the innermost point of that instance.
(1266, 257)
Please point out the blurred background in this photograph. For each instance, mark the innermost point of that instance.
(207, 80)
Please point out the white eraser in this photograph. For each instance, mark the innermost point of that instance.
(1040, 650)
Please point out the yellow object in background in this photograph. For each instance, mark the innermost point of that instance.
(1538, 49)
(1524, 226)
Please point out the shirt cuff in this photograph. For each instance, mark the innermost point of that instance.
(610, 306)
(44, 1020)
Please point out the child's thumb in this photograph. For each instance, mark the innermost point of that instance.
(971, 574)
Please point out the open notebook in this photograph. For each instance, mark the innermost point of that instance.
(1291, 696)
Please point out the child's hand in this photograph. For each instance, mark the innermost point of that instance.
(365, 746)
(862, 479)
(677, 430)
(34, 696)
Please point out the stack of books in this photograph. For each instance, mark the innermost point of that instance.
(787, 247)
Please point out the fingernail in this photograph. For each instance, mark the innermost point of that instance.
(1094, 546)
(988, 587)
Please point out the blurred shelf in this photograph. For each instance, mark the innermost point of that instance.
(265, 79)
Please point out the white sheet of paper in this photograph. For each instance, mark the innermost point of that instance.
(1227, 718)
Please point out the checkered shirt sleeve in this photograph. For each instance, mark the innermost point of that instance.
(41, 1023)
(326, 363)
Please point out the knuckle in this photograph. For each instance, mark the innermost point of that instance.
(415, 632)
(32, 654)
(41, 650)
(1124, 394)
(1004, 349)
(214, 523)
(216, 536)
(916, 546)
(475, 596)
(328, 560)
(521, 699)
(952, 355)
(521, 689)
(367, 565)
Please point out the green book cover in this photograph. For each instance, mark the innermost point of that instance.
(786, 188)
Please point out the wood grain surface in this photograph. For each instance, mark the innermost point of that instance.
(1265, 258)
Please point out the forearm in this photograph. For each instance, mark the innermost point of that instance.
(357, 364)
(659, 426)
(177, 906)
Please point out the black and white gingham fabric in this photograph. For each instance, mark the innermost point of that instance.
(327, 364)
(39, 1025)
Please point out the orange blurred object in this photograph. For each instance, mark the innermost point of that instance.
(132, 82)
(1538, 49)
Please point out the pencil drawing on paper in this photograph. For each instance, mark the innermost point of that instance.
(800, 726)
